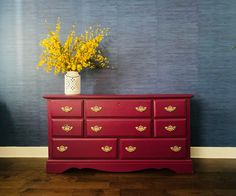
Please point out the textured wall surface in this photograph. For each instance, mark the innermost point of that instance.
(156, 46)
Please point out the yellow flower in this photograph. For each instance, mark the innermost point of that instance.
(75, 53)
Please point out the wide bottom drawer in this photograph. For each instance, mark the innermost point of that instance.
(153, 148)
(84, 148)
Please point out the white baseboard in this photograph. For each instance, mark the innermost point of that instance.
(42, 152)
(30, 152)
(214, 152)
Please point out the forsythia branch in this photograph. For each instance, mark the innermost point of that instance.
(75, 53)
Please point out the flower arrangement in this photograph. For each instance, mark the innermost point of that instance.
(75, 53)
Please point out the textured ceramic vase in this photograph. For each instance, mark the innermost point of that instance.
(72, 83)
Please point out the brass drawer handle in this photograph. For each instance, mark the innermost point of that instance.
(141, 108)
(141, 128)
(130, 148)
(66, 109)
(170, 108)
(62, 148)
(176, 148)
(170, 128)
(96, 128)
(106, 148)
(96, 108)
(67, 128)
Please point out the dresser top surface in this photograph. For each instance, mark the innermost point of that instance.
(116, 96)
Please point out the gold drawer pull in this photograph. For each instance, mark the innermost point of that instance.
(66, 108)
(175, 148)
(170, 128)
(96, 128)
(170, 108)
(106, 148)
(62, 148)
(67, 128)
(141, 108)
(140, 128)
(96, 108)
(130, 148)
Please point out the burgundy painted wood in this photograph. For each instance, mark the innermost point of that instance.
(117, 108)
(152, 148)
(67, 127)
(179, 106)
(56, 108)
(117, 96)
(170, 127)
(118, 127)
(119, 133)
(84, 148)
(178, 166)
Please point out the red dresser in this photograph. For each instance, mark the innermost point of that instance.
(119, 133)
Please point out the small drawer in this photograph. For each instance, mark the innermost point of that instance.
(170, 128)
(170, 108)
(65, 108)
(118, 108)
(152, 148)
(67, 127)
(84, 148)
(118, 127)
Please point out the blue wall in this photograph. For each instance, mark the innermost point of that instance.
(156, 46)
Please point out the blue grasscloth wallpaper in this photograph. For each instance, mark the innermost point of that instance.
(156, 46)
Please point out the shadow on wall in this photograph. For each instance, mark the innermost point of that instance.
(6, 125)
(195, 121)
(100, 81)
(106, 85)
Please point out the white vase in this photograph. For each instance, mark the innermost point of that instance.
(72, 83)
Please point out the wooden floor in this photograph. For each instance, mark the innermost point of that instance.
(28, 177)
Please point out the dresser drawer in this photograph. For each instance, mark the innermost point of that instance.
(67, 127)
(84, 148)
(65, 108)
(170, 108)
(118, 108)
(170, 128)
(152, 148)
(118, 127)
